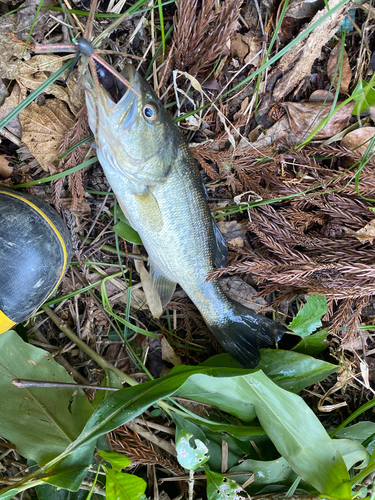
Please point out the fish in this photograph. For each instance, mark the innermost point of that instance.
(156, 179)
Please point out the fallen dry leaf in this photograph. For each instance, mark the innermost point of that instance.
(8, 104)
(237, 289)
(334, 68)
(356, 344)
(280, 131)
(255, 45)
(5, 169)
(44, 128)
(233, 232)
(367, 233)
(168, 354)
(78, 207)
(238, 47)
(358, 141)
(302, 9)
(10, 50)
(240, 113)
(321, 96)
(305, 116)
(34, 72)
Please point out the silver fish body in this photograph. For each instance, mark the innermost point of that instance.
(159, 188)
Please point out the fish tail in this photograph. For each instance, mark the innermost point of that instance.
(242, 332)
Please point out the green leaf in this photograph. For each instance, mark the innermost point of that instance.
(126, 232)
(294, 371)
(110, 380)
(218, 393)
(237, 431)
(309, 317)
(189, 457)
(313, 344)
(50, 420)
(293, 428)
(359, 432)
(363, 433)
(265, 473)
(122, 486)
(366, 99)
(9, 494)
(220, 487)
(299, 437)
(70, 472)
(352, 452)
(117, 460)
(235, 451)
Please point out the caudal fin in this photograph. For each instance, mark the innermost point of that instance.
(243, 332)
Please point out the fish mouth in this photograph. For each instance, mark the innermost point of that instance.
(128, 104)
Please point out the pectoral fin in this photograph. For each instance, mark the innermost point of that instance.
(163, 285)
(149, 211)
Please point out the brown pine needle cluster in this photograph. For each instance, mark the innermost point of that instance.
(129, 443)
(202, 30)
(79, 131)
(307, 243)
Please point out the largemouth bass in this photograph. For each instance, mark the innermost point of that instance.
(156, 180)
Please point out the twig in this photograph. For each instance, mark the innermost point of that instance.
(86, 349)
(162, 443)
(191, 484)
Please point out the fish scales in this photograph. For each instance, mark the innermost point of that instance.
(159, 188)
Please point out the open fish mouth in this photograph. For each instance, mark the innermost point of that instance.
(127, 102)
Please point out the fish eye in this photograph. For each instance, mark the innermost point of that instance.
(150, 112)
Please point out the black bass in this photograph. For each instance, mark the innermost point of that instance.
(156, 180)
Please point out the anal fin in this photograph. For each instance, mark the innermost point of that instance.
(163, 285)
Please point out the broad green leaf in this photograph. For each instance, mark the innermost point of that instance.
(359, 432)
(292, 370)
(220, 487)
(72, 470)
(219, 392)
(117, 460)
(124, 405)
(126, 232)
(237, 431)
(291, 425)
(314, 344)
(69, 472)
(366, 99)
(9, 494)
(189, 456)
(236, 449)
(352, 452)
(122, 486)
(289, 370)
(299, 436)
(265, 473)
(212, 441)
(309, 317)
(110, 380)
(363, 433)
(223, 360)
(51, 419)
